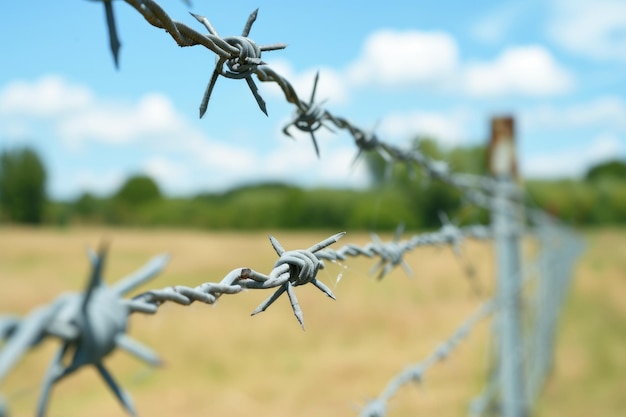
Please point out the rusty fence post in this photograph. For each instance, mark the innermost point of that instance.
(507, 228)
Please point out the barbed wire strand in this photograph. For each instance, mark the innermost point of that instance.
(415, 373)
(242, 57)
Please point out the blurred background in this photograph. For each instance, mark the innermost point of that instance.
(89, 151)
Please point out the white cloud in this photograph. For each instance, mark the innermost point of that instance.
(525, 71)
(330, 86)
(334, 167)
(121, 123)
(47, 97)
(77, 116)
(340, 171)
(214, 155)
(606, 146)
(430, 60)
(450, 128)
(395, 59)
(594, 29)
(605, 112)
(573, 162)
(493, 26)
(149, 124)
(172, 177)
(99, 183)
(158, 140)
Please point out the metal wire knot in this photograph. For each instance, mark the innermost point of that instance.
(245, 63)
(309, 117)
(90, 325)
(391, 254)
(293, 268)
(240, 65)
(303, 266)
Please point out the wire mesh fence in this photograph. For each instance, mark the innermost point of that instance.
(91, 324)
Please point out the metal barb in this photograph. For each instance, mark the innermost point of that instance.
(293, 268)
(241, 65)
(91, 324)
(415, 373)
(309, 117)
(114, 41)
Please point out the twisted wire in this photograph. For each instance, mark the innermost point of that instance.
(377, 407)
(96, 334)
(242, 56)
(391, 253)
(415, 373)
(293, 268)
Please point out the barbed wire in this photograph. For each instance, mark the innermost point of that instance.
(392, 253)
(550, 271)
(293, 268)
(102, 314)
(378, 406)
(242, 56)
(415, 373)
(92, 324)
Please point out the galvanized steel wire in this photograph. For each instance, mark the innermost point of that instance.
(93, 322)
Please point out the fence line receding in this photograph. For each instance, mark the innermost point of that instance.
(91, 324)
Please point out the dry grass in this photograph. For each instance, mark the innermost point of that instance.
(220, 361)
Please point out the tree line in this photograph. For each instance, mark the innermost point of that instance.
(398, 194)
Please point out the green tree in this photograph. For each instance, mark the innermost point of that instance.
(615, 170)
(129, 204)
(86, 205)
(138, 190)
(22, 185)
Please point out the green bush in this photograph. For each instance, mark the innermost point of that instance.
(403, 197)
(22, 186)
(611, 170)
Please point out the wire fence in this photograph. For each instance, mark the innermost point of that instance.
(92, 324)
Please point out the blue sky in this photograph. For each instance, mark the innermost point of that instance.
(405, 68)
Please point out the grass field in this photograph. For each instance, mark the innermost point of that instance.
(219, 361)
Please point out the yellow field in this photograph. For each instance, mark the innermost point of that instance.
(219, 361)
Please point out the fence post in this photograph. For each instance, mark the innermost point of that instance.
(507, 227)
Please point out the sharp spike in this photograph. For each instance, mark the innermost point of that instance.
(120, 394)
(317, 76)
(95, 279)
(276, 245)
(248, 26)
(209, 89)
(153, 267)
(205, 22)
(317, 149)
(324, 288)
(297, 311)
(25, 335)
(137, 349)
(268, 301)
(326, 242)
(54, 373)
(257, 96)
(114, 41)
